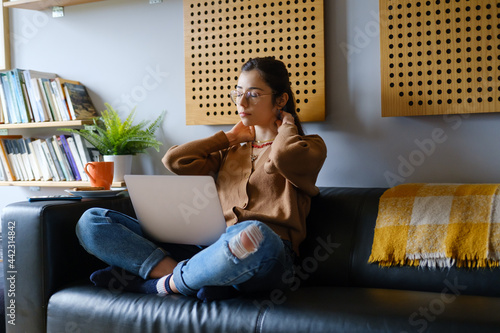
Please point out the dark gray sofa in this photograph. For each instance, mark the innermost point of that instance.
(335, 289)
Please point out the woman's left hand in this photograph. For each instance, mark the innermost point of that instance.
(285, 118)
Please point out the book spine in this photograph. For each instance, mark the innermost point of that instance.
(70, 104)
(64, 99)
(35, 166)
(82, 149)
(42, 111)
(23, 155)
(53, 154)
(63, 160)
(59, 100)
(18, 158)
(45, 83)
(50, 161)
(5, 162)
(2, 114)
(18, 95)
(44, 100)
(33, 98)
(71, 159)
(13, 160)
(11, 108)
(24, 97)
(3, 173)
(31, 116)
(76, 156)
(42, 160)
(6, 115)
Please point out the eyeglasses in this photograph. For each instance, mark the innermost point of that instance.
(251, 95)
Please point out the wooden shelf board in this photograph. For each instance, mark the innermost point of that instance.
(46, 124)
(54, 184)
(44, 4)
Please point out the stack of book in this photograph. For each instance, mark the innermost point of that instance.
(33, 96)
(56, 158)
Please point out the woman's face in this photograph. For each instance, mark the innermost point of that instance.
(254, 100)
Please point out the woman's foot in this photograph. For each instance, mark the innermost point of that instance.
(117, 279)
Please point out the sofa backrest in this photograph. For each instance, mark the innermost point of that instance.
(338, 244)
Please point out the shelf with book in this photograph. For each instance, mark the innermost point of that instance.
(47, 124)
(48, 161)
(29, 96)
(44, 4)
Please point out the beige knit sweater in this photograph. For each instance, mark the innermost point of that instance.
(276, 190)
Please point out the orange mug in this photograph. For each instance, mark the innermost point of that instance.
(100, 174)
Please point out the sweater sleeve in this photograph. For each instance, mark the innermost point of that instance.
(297, 158)
(199, 157)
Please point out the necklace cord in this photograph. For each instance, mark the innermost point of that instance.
(262, 145)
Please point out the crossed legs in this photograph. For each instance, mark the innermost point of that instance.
(241, 246)
(235, 258)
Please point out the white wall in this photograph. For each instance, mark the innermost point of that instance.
(113, 47)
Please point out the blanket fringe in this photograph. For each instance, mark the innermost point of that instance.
(439, 263)
(482, 263)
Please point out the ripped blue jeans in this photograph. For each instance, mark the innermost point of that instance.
(117, 239)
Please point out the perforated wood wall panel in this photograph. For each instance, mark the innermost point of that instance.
(220, 36)
(440, 57)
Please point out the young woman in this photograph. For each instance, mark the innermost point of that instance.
(265, 169)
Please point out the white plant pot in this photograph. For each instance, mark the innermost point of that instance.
(122, 167)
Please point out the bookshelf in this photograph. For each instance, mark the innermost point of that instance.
(41, 103)
(44, 4)
(50, 183)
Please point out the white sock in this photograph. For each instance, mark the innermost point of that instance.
(160, 286)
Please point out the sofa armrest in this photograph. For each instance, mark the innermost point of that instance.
(42, 253)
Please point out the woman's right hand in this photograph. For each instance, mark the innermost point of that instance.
(240, 133)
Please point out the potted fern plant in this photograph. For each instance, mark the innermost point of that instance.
(119, 140)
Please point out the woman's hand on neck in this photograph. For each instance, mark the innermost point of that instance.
(240, 133)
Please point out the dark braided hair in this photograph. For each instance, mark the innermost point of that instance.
(275, 74)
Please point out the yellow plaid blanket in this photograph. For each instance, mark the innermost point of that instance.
(438, 225)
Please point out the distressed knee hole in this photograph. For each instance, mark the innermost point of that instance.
(246, 242)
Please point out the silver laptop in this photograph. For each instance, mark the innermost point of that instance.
(177, 209)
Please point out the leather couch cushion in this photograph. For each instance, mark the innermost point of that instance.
(363, 310)
(84, 308)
